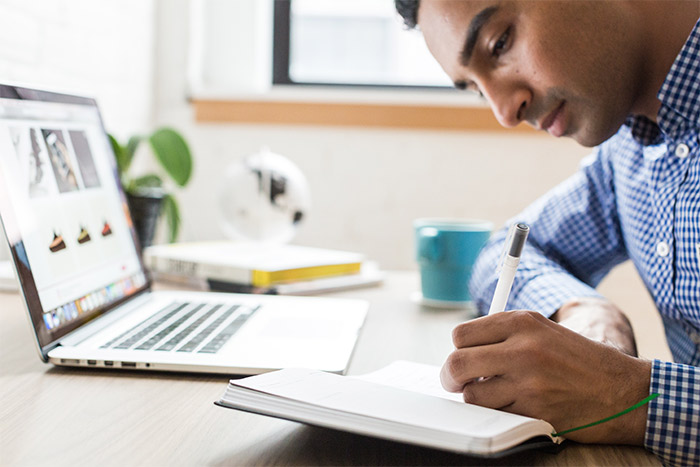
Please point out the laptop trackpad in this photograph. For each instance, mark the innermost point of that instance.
(302, 338)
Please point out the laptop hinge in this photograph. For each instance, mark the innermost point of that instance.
(48, 348)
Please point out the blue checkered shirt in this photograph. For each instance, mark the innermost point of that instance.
(636, 197)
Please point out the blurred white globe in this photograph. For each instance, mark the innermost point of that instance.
(264, 197)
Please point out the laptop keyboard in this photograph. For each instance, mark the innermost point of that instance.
(186, 327)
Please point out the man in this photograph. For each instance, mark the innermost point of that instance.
(623, 76)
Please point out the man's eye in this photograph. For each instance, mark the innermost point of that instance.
(500, 45)
(475, 89)
(469, 86)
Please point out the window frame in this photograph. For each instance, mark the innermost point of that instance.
(281, 49)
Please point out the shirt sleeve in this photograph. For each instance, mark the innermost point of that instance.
(673, 418)
(574, 241)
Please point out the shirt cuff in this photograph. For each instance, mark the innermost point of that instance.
(673, 418)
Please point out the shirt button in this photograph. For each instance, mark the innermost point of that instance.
(682, 151)
(695, 337)
(662, 249)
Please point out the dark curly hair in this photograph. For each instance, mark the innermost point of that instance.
(408, 9)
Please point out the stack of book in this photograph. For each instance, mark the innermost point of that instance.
(251, 267)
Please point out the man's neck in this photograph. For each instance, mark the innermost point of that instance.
(666, 25)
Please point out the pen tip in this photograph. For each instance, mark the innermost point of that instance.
(519, 237)
(522, 227)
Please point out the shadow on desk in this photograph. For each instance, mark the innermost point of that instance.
(307, 445)
(137, 374)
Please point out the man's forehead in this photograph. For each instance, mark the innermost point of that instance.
(447, 26)
(451, 10)
(448, 20)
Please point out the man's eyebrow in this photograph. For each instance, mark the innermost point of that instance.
(475, 26)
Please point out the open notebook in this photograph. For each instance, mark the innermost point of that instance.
(401, 402)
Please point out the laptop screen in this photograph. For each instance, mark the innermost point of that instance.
(63, 210)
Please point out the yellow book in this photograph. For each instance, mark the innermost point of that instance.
(265, 278)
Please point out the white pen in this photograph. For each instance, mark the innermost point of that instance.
(511, 258)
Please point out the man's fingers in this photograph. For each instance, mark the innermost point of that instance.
(465, 365)
(495, 393)
(495, 328)
(501, 344)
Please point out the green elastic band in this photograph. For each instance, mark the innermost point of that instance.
(607, 419)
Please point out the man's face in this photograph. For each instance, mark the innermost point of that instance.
(571, 68)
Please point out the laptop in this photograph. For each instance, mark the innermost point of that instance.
(88, 296)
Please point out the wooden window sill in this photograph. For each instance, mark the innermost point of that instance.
(371, 114)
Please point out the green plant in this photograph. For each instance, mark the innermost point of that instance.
(173, 155)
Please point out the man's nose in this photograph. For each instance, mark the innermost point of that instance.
(509, 105)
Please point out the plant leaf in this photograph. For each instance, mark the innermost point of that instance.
(119, 154)
(174, 155)
(172, 217)
(147, 181)
(130, 150)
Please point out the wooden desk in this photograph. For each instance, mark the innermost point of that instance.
(76, 417)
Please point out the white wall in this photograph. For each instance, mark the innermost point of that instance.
(102, 49)
(367, 185)
(99, 48)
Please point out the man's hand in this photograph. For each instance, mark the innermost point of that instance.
(538, 368)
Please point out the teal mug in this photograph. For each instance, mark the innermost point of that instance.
(446, 250)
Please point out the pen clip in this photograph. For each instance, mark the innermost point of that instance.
(506, 246)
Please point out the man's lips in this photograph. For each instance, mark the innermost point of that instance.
(554, 123)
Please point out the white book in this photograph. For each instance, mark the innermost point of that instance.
(401, 402)
(370, 275)
(250, 263)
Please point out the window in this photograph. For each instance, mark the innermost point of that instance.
(349, 42)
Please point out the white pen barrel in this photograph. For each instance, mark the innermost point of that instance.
(505, 282)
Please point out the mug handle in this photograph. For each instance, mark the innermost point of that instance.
(428, 245)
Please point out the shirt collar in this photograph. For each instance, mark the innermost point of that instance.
(679, 96)
(681, 90)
